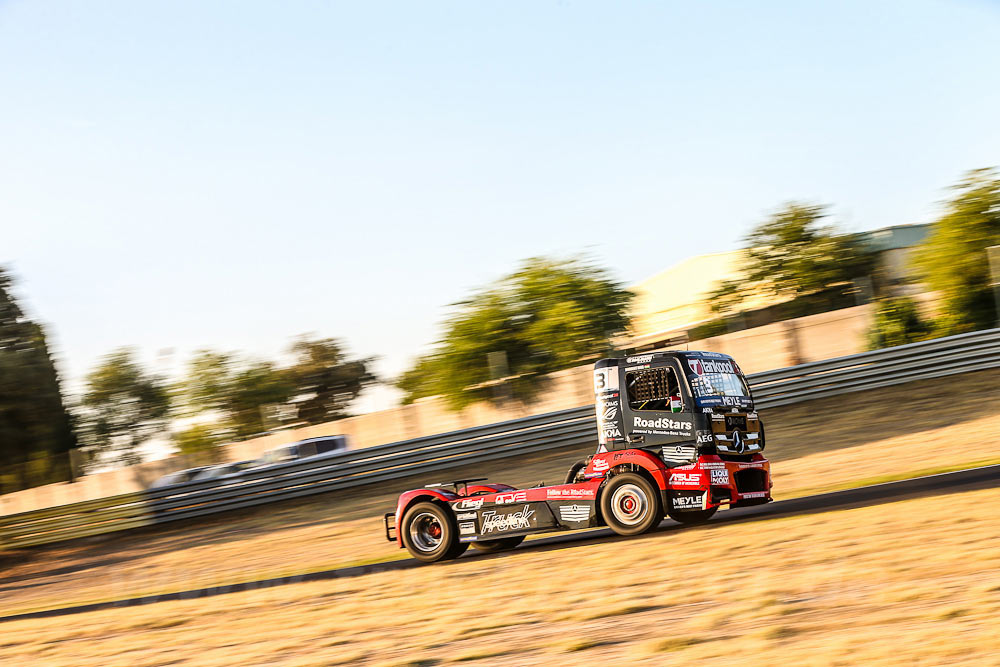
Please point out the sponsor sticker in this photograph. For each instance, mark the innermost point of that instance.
(705, 438)
(661, 423)
(702, 366)
(515, 497)
(494, 521)
(467, 528)
(471, 504)
(754, 494)
(465, 516)
(686, 502)
(685, 479)
(641, 359)
(600, 465)
(720, 477)
(574, 512)
(570, 493)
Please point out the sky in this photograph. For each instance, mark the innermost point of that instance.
(178, 175)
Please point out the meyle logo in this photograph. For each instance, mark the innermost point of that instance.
(701, 366)
(661, 423)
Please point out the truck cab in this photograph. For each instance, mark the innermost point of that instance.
(678, 404)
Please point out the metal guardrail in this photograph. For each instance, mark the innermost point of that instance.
(574, 427)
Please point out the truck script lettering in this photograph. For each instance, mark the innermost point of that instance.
(491, 521)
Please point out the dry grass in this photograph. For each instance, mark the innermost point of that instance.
(913, 582)
(859, 438)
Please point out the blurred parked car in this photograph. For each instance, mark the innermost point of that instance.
(222, 470)
(326, 445)
(178, 477)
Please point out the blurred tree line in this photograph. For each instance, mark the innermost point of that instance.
(36, 429)
(501, 342)
(813, 267)
(497, 345)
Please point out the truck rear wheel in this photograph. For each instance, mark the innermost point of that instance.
(493, 546)
(430, 533)
(630, 504)
(690, 518)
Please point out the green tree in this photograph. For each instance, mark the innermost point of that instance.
(200, 443)
(123, 406)
(502, 341)
(897, 322)
(240, 392)
(952, 260)
(235, 390)
(325, 381)
(793, 255)
(36, 430)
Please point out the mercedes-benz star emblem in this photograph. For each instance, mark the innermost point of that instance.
(738, 443)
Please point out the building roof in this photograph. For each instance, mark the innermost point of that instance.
(895, 237)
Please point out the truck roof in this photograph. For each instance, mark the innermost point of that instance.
(659, 355)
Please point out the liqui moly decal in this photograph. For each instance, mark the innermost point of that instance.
(494, 522)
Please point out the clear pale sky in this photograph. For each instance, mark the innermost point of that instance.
(231, 174)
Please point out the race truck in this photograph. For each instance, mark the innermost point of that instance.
(678, 436)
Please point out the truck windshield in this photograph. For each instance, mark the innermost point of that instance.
(718, 384)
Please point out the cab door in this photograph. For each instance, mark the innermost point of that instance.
(658, 409)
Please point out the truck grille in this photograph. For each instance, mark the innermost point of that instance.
(750, 480)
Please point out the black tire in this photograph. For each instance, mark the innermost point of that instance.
(430, 533)
(630, 504)
(691, 518)
(493, 546)
(574, 471)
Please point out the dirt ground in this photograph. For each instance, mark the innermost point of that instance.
(912, 582)
(820, 446)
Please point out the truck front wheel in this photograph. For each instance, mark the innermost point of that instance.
(430, 533)
(630, 504)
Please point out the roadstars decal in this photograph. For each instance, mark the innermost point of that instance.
(520, 520)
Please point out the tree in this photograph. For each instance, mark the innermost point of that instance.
(325, 381)
(36, 430)
(952, 260)
(200, 443)
(123, 406)
(792, 255)
(238, 391)
(502, 341)
(897, 322)
(235, 390)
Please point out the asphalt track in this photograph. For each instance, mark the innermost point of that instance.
(952, 482)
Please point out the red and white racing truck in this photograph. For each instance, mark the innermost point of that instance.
(678, 436)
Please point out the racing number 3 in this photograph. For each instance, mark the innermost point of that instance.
(605, 379)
